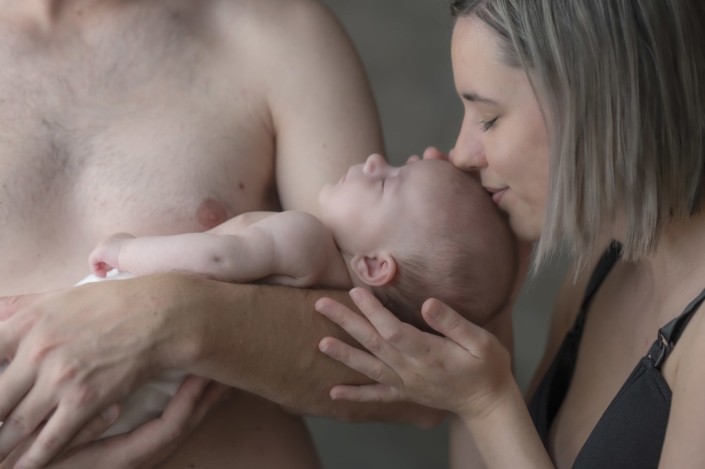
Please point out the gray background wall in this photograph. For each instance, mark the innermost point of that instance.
(405, 47)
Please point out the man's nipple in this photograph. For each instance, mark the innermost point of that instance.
(211, 213)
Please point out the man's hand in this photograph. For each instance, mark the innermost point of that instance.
(150, 444)
(70, 360)
(106, 256)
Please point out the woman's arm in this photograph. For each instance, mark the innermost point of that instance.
(468, 372)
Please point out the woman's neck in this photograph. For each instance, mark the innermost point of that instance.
(677, 267)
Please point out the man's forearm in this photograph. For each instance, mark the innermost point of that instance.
(265, 340)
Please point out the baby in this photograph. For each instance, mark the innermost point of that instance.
(407, 234)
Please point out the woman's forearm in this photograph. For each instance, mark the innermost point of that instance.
(506, 436)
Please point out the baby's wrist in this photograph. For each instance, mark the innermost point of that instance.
(123, 257)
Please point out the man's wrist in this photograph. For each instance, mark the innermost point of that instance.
(178, 339)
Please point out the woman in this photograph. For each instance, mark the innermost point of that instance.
(585, 121)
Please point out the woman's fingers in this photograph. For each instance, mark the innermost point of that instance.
(432, 153)
(366, 393)
(359, 329)
(400, 335)
(360, 361)
(442, 318)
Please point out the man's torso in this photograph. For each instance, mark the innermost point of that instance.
(145, 119)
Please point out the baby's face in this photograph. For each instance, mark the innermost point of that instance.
(376, 206)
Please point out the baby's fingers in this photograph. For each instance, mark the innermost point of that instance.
(367, 393)
(359, 361)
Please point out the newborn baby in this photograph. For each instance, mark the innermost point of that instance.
(408, 234)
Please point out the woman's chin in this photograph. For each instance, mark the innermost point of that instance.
(526, 230)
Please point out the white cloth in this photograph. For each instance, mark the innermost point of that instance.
(149, 401)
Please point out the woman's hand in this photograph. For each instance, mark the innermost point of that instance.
(73, 354)
(431, 153)
(467, 372)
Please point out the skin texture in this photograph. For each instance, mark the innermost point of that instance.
(94, 142)
(351, 245)
(635, 300)
(505, 141)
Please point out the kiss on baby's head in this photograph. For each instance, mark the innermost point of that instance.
(425, 230)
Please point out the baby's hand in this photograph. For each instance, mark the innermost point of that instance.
(105, 257)
(467, 371)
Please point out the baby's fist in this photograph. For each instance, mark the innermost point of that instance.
(106, 256)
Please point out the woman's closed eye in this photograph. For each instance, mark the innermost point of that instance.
(487, 125)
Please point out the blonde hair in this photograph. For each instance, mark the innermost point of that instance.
(621, 86)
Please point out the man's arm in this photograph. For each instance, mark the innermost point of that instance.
(324, 115)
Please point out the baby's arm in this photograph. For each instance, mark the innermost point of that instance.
(294, 247)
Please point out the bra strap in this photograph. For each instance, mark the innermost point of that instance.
(602, 269)
(669, 334)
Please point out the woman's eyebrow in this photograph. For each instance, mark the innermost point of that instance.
(476, 98)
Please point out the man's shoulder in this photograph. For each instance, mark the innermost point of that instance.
(266, 25)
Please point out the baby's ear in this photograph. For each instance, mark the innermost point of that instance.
(376, 271)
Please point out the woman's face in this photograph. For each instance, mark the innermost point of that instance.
(503, 136)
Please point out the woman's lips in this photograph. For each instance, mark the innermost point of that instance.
(497, 194)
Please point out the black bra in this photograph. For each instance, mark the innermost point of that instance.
(631, 432)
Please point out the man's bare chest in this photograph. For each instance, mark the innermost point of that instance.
(148, 140)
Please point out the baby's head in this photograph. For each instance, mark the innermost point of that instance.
(425, 230)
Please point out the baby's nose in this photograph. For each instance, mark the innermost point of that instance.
(374, 163)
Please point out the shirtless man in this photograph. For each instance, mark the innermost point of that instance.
(164, 117)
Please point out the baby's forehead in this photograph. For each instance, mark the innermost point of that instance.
(442, 180)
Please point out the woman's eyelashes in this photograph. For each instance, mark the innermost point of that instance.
(487, 125)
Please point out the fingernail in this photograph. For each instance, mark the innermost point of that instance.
(110, 415)
(356, 296)
(327, 348)
(435, 310)
(324, 309)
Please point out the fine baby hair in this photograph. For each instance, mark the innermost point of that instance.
(467, 261)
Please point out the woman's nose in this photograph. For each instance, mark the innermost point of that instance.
(469, 153)
(374, 163)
